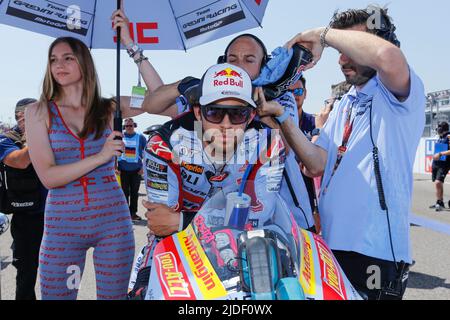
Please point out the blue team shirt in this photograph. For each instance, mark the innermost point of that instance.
(351, 217)
(6, 147)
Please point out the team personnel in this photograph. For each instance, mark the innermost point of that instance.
(24, 196)
(366, 150)
(130, 165)
(441, 164)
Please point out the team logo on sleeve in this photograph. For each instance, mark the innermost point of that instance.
(159, 148)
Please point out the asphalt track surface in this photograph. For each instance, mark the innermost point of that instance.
(430, 234)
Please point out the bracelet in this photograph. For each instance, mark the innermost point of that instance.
(283, 117)
(323, 42)
(140, 59)
(133, 50)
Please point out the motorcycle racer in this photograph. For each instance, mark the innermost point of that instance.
(199, 153)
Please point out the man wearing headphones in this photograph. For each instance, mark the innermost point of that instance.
(366, 150)
(130, 165)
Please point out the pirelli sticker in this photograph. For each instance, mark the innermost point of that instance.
(158, 185)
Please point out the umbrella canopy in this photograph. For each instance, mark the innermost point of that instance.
(155, 24)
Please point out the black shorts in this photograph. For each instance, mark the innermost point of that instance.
(439, 172)
(357, 269)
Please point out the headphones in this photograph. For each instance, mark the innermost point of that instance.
(266, 58)
(387, 28)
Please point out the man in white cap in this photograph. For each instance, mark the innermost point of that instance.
(193, 156)
(208, 150)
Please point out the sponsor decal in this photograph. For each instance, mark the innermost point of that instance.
(192, 167)
(210, 18)
(189, 178)
(155, 166)
(205, 276)
(159, 148)
(254, 223)
(215, 220)
(171, 274)
(194, 191)
(156, 175)
(228, 81)
(143, 32)
(184, 151)
(22, 205)
(158, 197)
(331, 275)
(52, 14)
(219, 178)
(307, 265)
(256, 206)
(229, 73)
(202, 229)
(158, 185)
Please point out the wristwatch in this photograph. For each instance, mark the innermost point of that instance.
(315, 132)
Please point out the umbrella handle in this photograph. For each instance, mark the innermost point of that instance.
(118, 113)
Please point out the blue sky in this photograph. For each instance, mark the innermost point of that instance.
(422, 27)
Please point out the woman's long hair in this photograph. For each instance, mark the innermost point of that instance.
(98, 110)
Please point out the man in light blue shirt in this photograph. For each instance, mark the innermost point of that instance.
(377, 124)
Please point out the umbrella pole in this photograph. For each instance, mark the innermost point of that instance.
(118, 113)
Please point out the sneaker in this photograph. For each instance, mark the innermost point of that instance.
(135, 217)
(439, 206)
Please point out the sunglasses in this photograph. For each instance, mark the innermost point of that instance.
(216, 113)
(298, 92)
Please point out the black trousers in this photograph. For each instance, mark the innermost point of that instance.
(131, 180)
(26, 231)
(359, 271)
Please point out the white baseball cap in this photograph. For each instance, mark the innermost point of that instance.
(223, 81)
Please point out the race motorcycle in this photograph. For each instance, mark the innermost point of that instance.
(213, 260)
